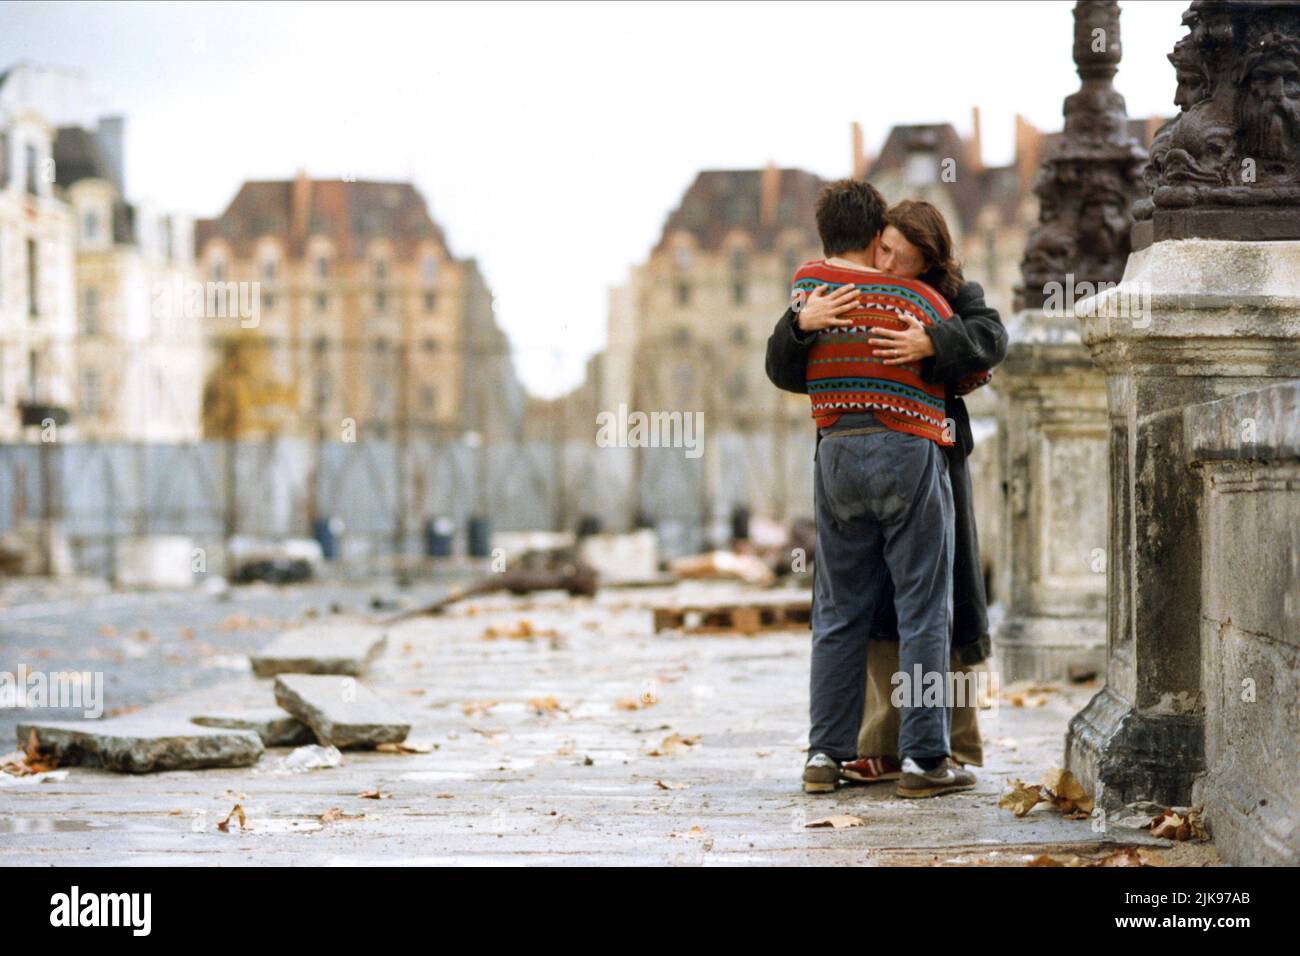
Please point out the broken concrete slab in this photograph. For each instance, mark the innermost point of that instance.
(321, 649)
(138, 744)
(276, 727)
(340, 710)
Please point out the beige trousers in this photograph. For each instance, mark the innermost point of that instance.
(880, 719)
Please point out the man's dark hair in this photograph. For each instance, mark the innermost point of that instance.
(850, 214)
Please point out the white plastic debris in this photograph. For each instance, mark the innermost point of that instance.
(48, 776)
(312, 757)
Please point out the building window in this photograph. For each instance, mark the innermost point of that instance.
(429, 269)
(738, 288)
(430, 345)
(381, 346)
(218, 270)
(430, 301)
(320, 345)
(739, 261)
(90, 311)
(91, 395)
(90, 226)
(268, 270)
(381, 301)
(381, 270)
(322, 267)
(324, 390)
(268, 300)
(683, 260)
(739, 335)
(738, 387)
(32, 188)
(33, 279)
(683, 293)
(428, 396)
(681, 335)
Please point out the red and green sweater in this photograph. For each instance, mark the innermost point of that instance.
(844, 373)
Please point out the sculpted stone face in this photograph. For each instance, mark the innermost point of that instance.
(1193, 85)
(1270, 108)
(1050, 252)
(1104, 222)
(1201, 147)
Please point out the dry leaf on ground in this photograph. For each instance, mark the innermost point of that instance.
(1175, 825)
(674, 743)
(838, 822)
(1022, 798)
(407, 747)
(334, 814)
(236, 811)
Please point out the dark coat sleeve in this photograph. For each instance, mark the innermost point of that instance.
(787, 355)
(973, 340)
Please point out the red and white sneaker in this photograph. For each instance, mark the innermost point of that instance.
(871, 769)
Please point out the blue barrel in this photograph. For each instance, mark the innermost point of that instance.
(438, 537)
(740, 523)
(326, 531)
(480, 536)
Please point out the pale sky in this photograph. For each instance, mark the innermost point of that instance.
(552, 139)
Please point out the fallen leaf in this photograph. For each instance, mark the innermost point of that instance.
(1022, 798)
(334, 814)
(672, 786)
(407, 747)
(544, 705)
(238, 810)
(674, 743)
(374, 794)
(1067, 793)
(36, 761)
(838, 822)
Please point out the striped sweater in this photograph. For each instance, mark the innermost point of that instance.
(844, 373)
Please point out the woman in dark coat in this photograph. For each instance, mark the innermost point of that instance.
(970, 344)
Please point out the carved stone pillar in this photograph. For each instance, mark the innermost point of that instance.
(1209, 308)
(1052, 428)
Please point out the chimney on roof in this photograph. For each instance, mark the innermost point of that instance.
(859, 167)
(976, 147)
(771, 192)
(301, 200)
(110, 134)
(1029, 143)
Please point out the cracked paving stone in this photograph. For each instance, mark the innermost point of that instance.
(340, 710)
(321, 649)
(143, 745)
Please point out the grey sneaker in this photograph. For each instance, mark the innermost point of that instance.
(820, 774)
(948, 777)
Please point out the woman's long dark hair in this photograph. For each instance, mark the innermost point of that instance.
(923, 226)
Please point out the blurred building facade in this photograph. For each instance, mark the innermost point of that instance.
(139, 354)
(366, 318)
(86, 329)
(37, 253)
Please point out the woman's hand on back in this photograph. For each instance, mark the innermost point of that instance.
(823, 311)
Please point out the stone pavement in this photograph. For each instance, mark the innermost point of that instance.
(561, 731)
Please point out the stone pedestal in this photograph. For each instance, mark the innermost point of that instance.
(1193, 321)
(1247, 451)
(1052, 440)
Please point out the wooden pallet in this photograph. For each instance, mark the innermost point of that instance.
(733, 618)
